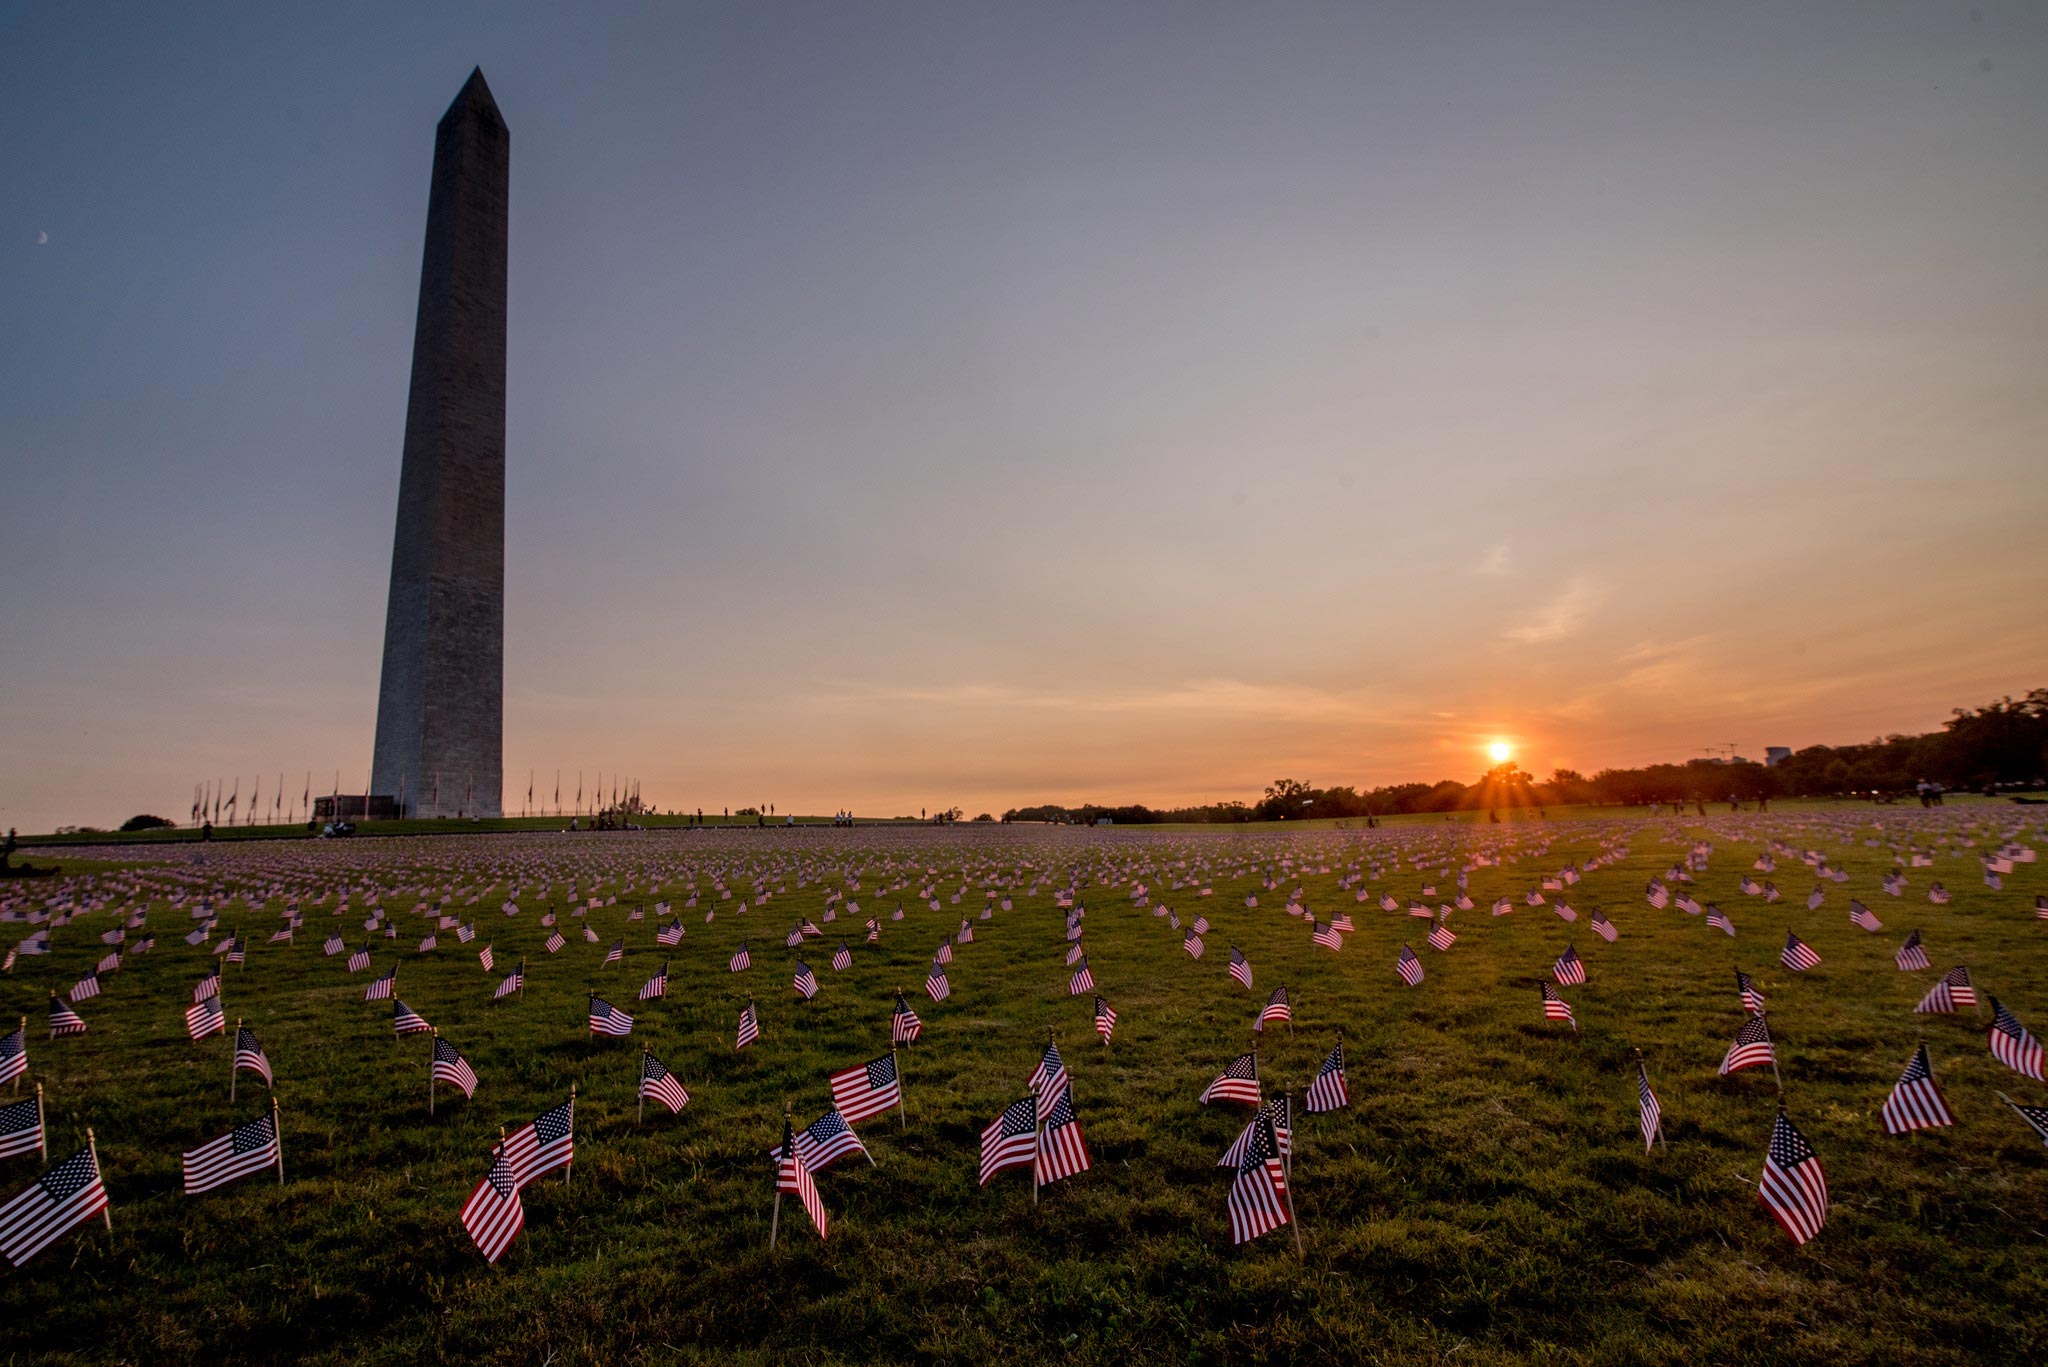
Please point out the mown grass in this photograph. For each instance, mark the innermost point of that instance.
(1485, 1198)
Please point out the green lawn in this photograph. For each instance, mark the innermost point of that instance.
(1484, 1199)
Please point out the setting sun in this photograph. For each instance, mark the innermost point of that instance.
(1500, 751)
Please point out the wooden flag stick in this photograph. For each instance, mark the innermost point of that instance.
(1287, 1173)
(277, 1129)
(902, 1117)
(106, 1212)
(430, 1075)
(569, 1168)
(234, 1073)
(24, 1044)
(640, 1115)
(42, 1128)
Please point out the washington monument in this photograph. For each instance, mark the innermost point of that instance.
(441, 705)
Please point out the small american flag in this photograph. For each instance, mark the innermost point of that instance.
(740, 961)
(1951, 990)
(451, 1067)
(868, 1089)
(21, 1128)
(656, 986)
(1062, 1152)
(205, 1018)
(1912, 955)
(359, 960)
(1105, 1019)
(485, 957)
(60, 1201)
(659, 1084)
(1649, 1115)
(1277, 1008)
(842, 957)
(1408, 966)
(1719, 920)
(1240, 968)
(494, 1214)
(749, 1028)
(465, 933)
(406, 1021)
(1751, 1048)
(670, 935)
(804, 981)
(2011, 1044)
(1275, 1111)
(1049, 1078)
(1441, 937)
(208, 986)
(935, 985)
(824, 1142)
(513, 982)
(1862, 917)
(1556, 1008)
(1256, 1203)
(249, 1055)
(1752, 996)
(332, 946)
(14, 1054)
(606, 1019)
(1082, 979)
(615, 953)
(553, 944)
(793, 1175)
(1794, 1188)
(241, 1151)
(874, 929)
(1797, 955)
(1916, 1103)
(2035, 1116)
(1239, 1081)
(1326, 936)
(546, 1143)
(1569, 968)
(1011, 1139)
(85, 988)
(904, 1026)
(382, 988)
(1328, 1091)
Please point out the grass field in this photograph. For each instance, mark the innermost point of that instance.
(1484, 1199)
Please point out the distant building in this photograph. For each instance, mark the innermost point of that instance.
(355, 807)
(1775, 755)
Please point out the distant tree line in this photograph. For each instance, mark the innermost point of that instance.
(2000, 745)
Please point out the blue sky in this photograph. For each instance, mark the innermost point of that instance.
(925, 404)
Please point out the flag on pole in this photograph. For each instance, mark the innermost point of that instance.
(241, 1151)
(824, 1142)
(1278, 1007)
(1752, 1047)
(904, 1026)
(1257, 1200)
(1794, 1188)
(1916, 1103)
(543, 1144)
(1797, 955)
(494, 1214)
(1011, 1139)
(1952, 990)
(1328, 1091)
(1912, 955)
(52, 1206)
(2011, 1044)
(1062, 1152)
(749, 1028)
(659, 1084)
(451, 1067)
(867, 1089)
(793, 1175)
(1105, 1019)
(1239, 1081)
